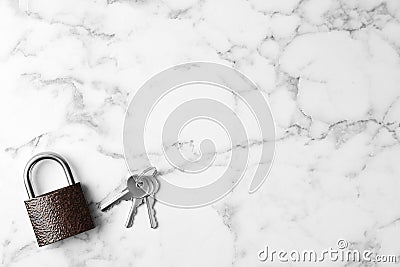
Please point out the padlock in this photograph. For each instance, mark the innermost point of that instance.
(58, 214)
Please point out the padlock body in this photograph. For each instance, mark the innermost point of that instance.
(59, 214)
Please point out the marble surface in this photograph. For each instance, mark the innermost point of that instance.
(331, 70)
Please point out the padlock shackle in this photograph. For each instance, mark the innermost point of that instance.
(43, 156)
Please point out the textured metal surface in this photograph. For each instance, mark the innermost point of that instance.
(59, 214)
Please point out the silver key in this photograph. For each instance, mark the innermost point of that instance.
(138, 189)
(150, 201)
(151, 211)
(127, 193)
(137, 199)
(136, 202)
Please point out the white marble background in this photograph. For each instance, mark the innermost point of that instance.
(332, 72)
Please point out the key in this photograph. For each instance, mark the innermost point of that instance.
(151, 211)
(137, 199)
(150, 201)
(124, 194)
(138, 189)
(136, 202)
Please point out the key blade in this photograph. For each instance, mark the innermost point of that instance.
(136, 202)
(151, 211)
(114, 199)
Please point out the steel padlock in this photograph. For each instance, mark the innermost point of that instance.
(58, 214)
